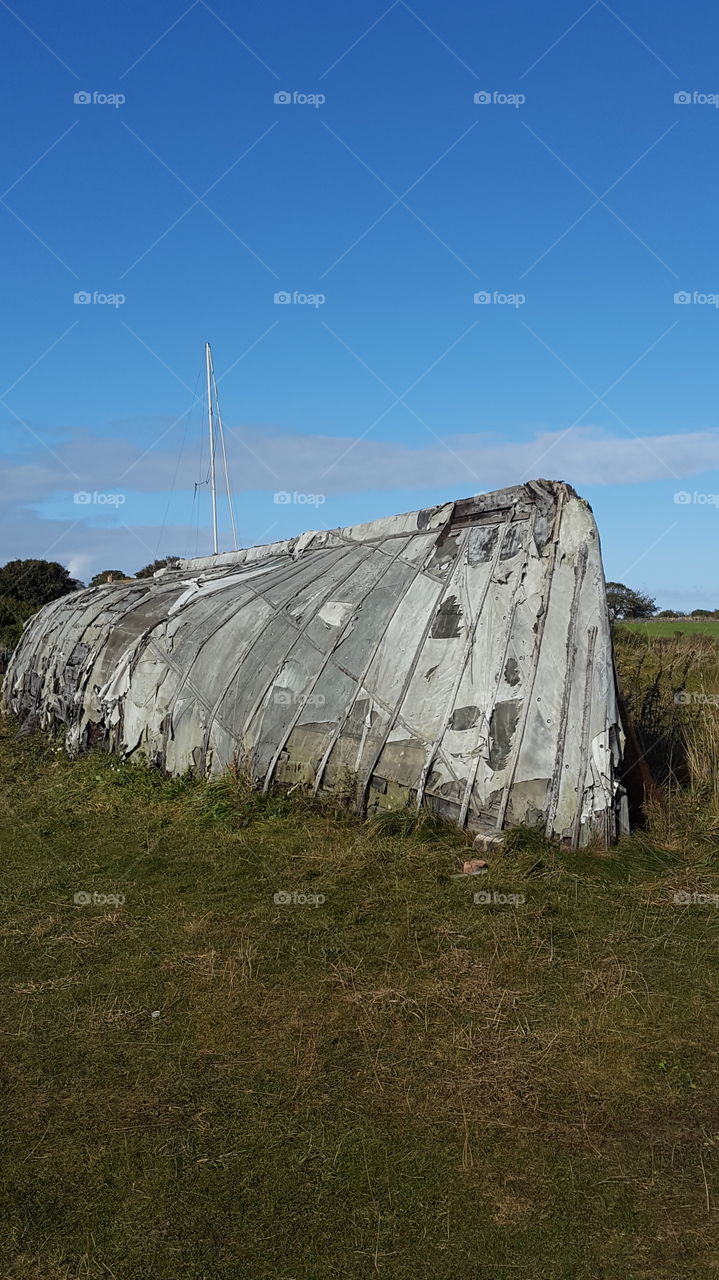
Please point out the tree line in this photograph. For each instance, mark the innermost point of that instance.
(27, 585)
(626, 605)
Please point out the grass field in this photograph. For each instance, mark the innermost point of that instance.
(200, 1083)
(673, 626)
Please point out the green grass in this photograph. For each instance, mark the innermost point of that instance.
(396, 1082)
(673, 627)
(670, 687)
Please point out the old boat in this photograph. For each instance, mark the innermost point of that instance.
(458, 657)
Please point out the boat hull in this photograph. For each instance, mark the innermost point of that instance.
(458, 657)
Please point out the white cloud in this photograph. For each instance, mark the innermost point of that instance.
(261, 459)
(93, 537)
(86, 551)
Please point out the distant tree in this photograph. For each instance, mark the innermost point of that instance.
(12, 616)
(667, 613)
(166, 562)
(107, 575)
(626, 603)
(36, 581)
(25, 586)
(700, 613)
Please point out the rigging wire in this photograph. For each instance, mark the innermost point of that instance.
(200, 483)
(224, 461)
(188, 419)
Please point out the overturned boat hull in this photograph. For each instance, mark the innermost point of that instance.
(458, 656)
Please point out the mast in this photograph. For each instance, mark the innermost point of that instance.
(211, 429)
(221, 433)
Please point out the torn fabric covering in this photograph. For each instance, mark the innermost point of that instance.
(459, 657)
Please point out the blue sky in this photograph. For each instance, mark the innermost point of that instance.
(582, 190)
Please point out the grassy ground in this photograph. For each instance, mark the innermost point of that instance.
(671, 689)
(200, 1083)
(673, 626)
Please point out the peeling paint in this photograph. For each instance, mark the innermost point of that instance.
(511, 671)
(335, 613)
(502, 727)
(445, 552)
(464, 718)
(481, 543)
(446, 625)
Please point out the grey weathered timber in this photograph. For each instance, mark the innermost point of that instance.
(458, 656)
